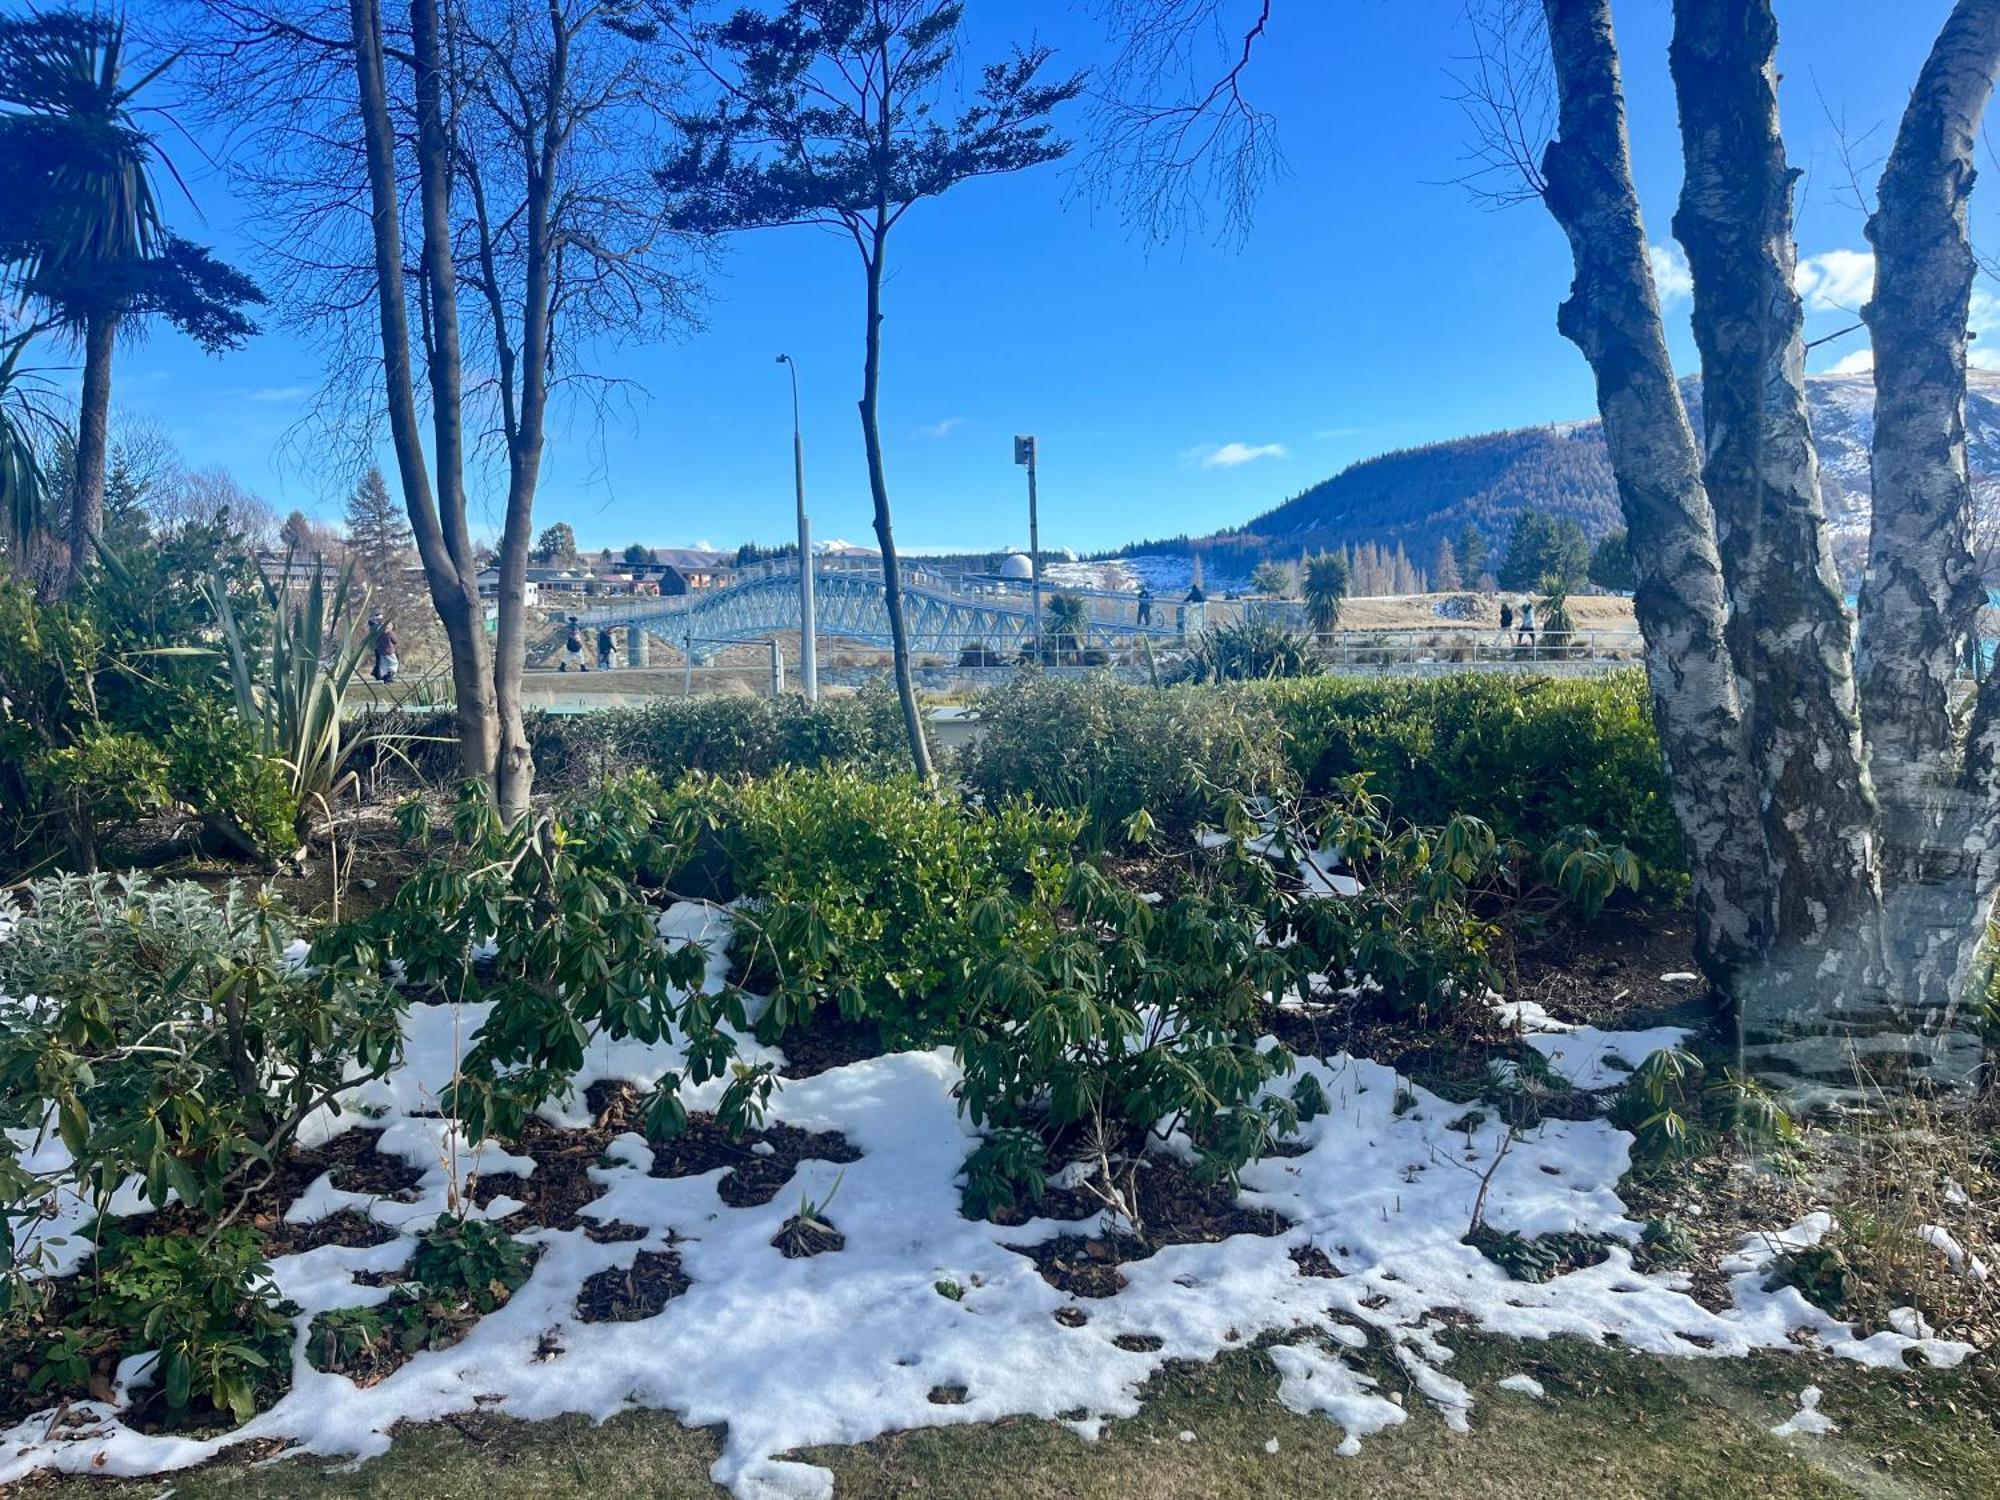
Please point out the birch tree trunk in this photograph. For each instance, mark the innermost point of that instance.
(1921, 598)
(1613, 317)
(1788, 628)
(1922, 594)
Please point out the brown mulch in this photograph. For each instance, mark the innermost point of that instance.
(754, 1178)
(1175, 1209)
(631, 1295)
(555, 1194)
(829, 1042)
(1608, 974)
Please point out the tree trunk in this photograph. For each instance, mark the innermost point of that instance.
(450, 569)
(1921, 597)
(93, 420)
(878, 484)
(1788, 628)
(1613, 317)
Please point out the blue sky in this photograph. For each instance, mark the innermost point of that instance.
(1369, 309)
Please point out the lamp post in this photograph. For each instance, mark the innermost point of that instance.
(1024, 453)
(808, 620)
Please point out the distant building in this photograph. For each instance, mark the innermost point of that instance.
(1017, 565)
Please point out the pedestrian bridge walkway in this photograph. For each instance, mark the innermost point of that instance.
(944, 612)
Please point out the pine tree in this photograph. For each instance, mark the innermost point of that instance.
(1444, 572)
(378, 533)
(380, 544)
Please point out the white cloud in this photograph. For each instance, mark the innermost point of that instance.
(1229, 455)
(279, 393)
(1836, 280)
(1857, 362)
(1670, 273)
(941, 429)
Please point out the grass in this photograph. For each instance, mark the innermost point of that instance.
(1614, 1425)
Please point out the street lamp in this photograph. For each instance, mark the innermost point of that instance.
(808, 620)
(1024, 453)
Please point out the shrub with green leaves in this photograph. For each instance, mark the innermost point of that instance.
(874, 894)
(1133, 1021)
(1409, 942)
(1109, 752)
(721, 736)
(1249, 651)
(461, 1270)
(548, 921)
(173, 1039)
(206, 1304)
(1529, 756)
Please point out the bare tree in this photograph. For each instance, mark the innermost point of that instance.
(455, 208)
(1177, 135)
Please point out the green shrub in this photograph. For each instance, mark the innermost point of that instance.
(873, 894)
(207, 1305)
(244, 796)
(1530, 756)
(1128, 1022)
(174, 1039)
(1408, 941)
(1109, 752)
(572, 951)
(1249, 651)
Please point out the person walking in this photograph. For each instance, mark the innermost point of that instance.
(1145, 605)
(604, 645)
(1527, 631)
(573, 649)
(385, 649)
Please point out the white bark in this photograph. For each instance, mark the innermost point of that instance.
(1613, 316)
(1788, 632)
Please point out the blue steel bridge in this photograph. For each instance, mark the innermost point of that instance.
(945, 612)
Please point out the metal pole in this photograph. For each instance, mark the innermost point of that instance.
(1024, 453)
(808, 619)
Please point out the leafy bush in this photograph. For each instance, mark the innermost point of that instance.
(547, 920)
(1110, 751)
(872, 893)
(1131, 1020)
(66, 770)
(111, 709)
(1408, 941)
(1249, 651)
(468, 1262)
(207, 1305)
(174, 1040)
(461, 1270)
(720, 736)
(1529, 756)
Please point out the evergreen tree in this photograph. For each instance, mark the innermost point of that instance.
(378, 534)
(1611, 564)
(1444, 572)
(1545, 547)
(1471, 552)
(556, 544)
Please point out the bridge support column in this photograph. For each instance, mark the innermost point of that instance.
(636, 649)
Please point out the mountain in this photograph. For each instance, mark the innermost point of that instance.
(1421, 495)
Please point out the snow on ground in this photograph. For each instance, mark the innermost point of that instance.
(1583, 1056)
(843, 1346)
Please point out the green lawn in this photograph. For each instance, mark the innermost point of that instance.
(1615, 1425)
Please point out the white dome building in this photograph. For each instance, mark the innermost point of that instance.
(1016, 565)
